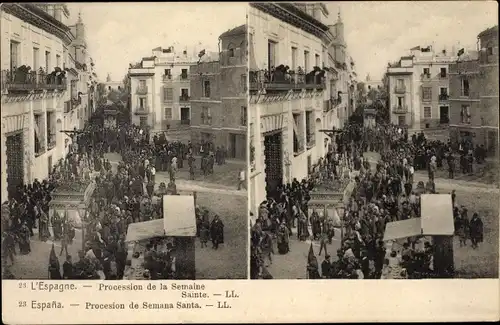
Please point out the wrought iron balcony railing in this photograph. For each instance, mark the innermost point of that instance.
(24, 80)
(286, 80)
(141, 110)
(184, 98)
(142, 90)
(443, 97)
(186, 122)
(400, 89)
(400, 109)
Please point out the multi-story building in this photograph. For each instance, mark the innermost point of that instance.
(160, 89)
(218, 100)
(34, 87)
(111, 85)
(419, 89)
(344, 85)
(371, 84)
(285, 109)
(474, 94)
(80, 66)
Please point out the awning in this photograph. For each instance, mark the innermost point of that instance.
(179, 215)
(145, 230)
(437, 214)
(402, 229)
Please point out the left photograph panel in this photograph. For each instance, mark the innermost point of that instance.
(124, 141)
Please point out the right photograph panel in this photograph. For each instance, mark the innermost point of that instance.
(381, 168)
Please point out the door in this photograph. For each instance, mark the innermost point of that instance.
(444, 117)
(232, 145)
(401, 120)
(15, 160)
(185, 115)
(273, 160)
(143, 122)
(49, 165)
(237, 146)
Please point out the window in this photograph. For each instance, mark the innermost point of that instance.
(443, 91)
(143, 122)
(206, 118)
(47, 62)
(206, 88)
(443, 73)
(402, 120)
(271, 54)
(427, 72)
(58, 60)
(298, 133)
(142, 102)
(243, 82)
(168, 113)
(168, 72)
(427, 112)
(231, 53)
(184, 92)
(401, 101)
(14, 55)
(306, 62)
(168, 94)
(243, 116)
(184, 73)
(109, 88)
(489, 49)
(309, 128)
(317, 60)
(39, 134)
(426, 94)
(36, 64)
(294, 59)
(465, 114)
(51, 130)
(465, 87)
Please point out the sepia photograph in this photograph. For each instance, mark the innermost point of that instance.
(373, 143)
(124, 141)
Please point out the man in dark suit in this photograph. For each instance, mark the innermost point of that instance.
(326, 268)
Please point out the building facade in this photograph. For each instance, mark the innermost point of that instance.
(474, 95)
(160, 90)
(419, 89)
(34, 87)
(285, 112)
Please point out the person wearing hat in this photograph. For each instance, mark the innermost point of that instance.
(326, 268)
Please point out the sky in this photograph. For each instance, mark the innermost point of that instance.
(118, 34)
(380, 32)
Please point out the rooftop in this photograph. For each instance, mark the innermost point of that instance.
(490, 30)
(235, 31)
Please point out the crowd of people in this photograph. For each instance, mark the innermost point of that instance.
(382, 193)
(121, 195)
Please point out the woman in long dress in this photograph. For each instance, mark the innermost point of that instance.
(24, 240)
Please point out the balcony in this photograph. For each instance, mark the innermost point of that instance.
(184, 98)
(332, 103)
(186, 122)
(425, 76)
(310, 140)
(141, 111)
(184, 76)
(443, 97)
(51, 140)
(21, 80)
(167, 77)
(400, 109)
(206, 119)
(401, 89)
(285, 81)
(141, 90)
(467, 96)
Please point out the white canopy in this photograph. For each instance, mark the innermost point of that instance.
(179, 220)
